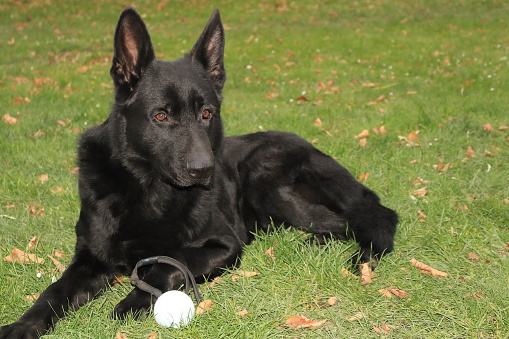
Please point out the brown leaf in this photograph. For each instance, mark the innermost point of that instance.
(120, 335)
(119, 279)
(366, 273)
(299, 322)
(61, 123)
(503, 128)
(270, 253)
(32, 243)
(20, 257)
(475, 295)
(39, 133)
(301, 98)
(32, 297)
(419, 181)
(332, 301)
(422, 216)
(318, 122)
(9, 120)
(204, 306)
(357, 316)
(19, 100)
(363, 142)
(363, 134)
(421, 192)
(43, 178)
(487, 127)
(271, 95)
(385, 292)
(153, 335)
(75, 170)
(473, 256)
(243, 313)
(427, 269)
(58, 265)
(35, 212)
(56, 190)
(470, 152)
(363, 177)
(347, 273)
(398, 293)
(248, 274)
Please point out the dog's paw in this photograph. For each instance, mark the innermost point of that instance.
(136, 304)
(19, 331)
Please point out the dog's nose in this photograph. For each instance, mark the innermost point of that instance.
(199, 170)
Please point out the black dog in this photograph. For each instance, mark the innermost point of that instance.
(159, 178)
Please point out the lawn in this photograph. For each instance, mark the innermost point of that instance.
(410, 96)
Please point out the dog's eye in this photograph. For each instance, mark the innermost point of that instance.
(161, 116)
(206, 114)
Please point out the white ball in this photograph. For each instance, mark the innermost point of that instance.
(174, 309)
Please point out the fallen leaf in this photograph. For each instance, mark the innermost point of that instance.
(39, 133)
(271, 95)
(119, 279)
(32, 243)
(363, 177)
(20, 100)
(366, 273)
(421, 192)
(153, 335)
(248, 274)
(441, 167)
(61, 123)
(204, 306)
(35, 212)
(363, 134)
(422, 216)
(299, 322)
(243, 313)
(58, 265)
(270, 253)
(56, 190)
(385, 292)
(347, 273)
(9, 120)
(120, 335)
(470, 152)
(217, 280)
(357, 316)
(475, 295)
(397, 292)
(318, 122)
(487, 127)
(301, 98)
(427, 269)
(419, 181)
(32, 297)
(473, 256)
(384, 328)
(43, 178)
(332, 301)
(503, 128)
(20, 257)
(75, 170)
(363, 142)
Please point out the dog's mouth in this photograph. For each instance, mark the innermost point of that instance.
(185, 181)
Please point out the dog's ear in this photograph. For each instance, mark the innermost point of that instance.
(209, 50)
(133, 50)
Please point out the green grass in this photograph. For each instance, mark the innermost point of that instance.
(443, 67)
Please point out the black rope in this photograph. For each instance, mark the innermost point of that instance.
(189, 278)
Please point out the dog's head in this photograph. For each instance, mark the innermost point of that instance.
(166, 117)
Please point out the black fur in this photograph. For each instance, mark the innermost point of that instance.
(159, 178)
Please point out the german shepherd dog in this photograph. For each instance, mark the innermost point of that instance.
(159, 178)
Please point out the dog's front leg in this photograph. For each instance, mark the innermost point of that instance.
(206, 259)
(82, 281)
